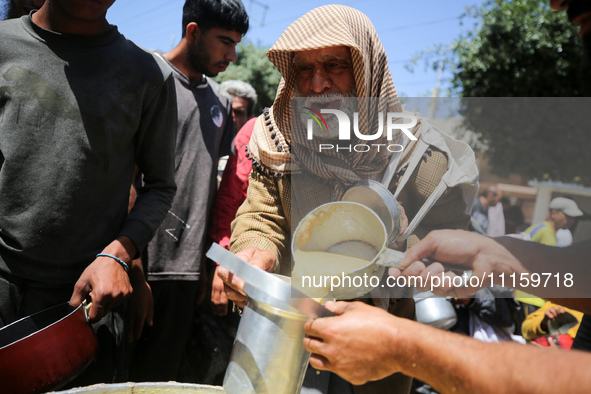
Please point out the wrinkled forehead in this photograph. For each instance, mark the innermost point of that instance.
(323, 55)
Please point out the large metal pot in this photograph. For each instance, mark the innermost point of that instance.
(45, 350)
(268, 354)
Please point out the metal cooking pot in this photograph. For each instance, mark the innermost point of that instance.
(268, 354)
(348, 229)
(46, 350)
(339, 230)
(378, 198)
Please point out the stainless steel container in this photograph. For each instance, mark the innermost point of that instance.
(378, 198)
(268, 354)
(435, 311)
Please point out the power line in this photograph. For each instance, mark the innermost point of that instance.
(149, 11)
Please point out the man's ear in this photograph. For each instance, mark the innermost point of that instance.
(193, 32)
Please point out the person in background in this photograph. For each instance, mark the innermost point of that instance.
(562, 213)
(487, 198)
(513, 216)
(174, 258)
(535, 324)
(82, 106)
(496, 217)
(232, 190)
(244, 99)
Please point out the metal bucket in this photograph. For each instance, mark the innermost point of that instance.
(268, 354)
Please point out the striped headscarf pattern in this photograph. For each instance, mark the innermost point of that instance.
(323, 27)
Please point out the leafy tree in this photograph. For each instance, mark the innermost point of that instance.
(522, 48)
(253, 66)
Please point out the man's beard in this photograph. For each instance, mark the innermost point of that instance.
(199, 60)
(347, 104)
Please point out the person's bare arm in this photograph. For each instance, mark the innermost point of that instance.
(366, 343)
(507, 258)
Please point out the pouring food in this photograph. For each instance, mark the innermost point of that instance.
(341, 242)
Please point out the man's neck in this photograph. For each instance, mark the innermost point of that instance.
(178, 57)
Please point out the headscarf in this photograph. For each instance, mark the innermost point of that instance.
(272, 143)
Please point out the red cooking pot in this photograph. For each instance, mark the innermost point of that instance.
(46, 350)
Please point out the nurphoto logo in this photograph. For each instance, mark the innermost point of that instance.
(333, 122)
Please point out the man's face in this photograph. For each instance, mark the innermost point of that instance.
(579, 13)
(493, 198)
(324, 77)
(324, 71)
(24, 7)
(213, 50)
(239, 111)
(562, 220)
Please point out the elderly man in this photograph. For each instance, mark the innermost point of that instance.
(331, 51)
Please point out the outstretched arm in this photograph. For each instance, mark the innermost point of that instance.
(365, 343)
(563, 273)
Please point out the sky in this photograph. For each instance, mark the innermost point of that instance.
(406, 27)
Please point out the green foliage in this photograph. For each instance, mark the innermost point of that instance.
(253, 66)
(521, 48)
